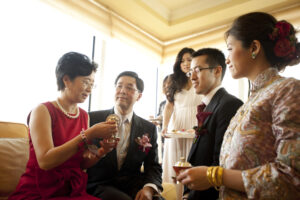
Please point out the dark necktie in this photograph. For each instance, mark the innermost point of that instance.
(201, 107)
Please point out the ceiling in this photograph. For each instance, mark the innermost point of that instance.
(171, 20)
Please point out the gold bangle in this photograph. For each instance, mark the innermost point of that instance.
(208, 175)
(214, 177)
(220, 176)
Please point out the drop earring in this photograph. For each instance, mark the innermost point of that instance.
(253, 55)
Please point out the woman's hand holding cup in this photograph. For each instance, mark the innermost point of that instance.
(103, 130)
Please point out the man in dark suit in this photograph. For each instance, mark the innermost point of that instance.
(207, 71)
(118, 176)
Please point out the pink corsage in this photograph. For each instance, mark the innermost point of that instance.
(144, 143)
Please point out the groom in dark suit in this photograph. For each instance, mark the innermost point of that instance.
(118, 176)
(207, 71)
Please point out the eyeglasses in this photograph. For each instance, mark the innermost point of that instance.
(197, 70)
(126, 88)
(89, 84)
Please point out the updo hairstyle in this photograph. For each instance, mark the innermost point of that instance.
(278, 38)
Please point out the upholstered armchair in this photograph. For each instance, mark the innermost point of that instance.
(14, 154)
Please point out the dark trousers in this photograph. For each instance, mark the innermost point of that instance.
(112, 193)
(210, 194)
(120, 188)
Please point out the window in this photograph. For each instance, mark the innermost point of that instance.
(120, 57)
(32, 40)
(33, 37)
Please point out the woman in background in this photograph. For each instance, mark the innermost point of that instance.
(179, 113)
(59, 136)
(260, 154)
(159, 115)
(163, 103)
(159, 118)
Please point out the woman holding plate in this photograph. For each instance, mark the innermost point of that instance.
(179, 113)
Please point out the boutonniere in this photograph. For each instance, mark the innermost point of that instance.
(200, 130)
(144, 143)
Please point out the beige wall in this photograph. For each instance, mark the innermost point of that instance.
(112, 25)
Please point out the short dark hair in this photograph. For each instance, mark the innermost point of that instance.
(139, 81)
(214, 58)
(73, 64)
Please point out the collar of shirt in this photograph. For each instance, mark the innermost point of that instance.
(207, 98)
(128, 116)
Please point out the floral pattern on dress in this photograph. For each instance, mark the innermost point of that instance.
(263, 140)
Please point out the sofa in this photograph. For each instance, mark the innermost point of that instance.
(14, 154)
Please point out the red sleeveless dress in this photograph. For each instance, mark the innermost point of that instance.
(66, 181)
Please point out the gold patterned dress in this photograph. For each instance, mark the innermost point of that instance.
(263, 140)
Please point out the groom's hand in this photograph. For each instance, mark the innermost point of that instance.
(145, 194)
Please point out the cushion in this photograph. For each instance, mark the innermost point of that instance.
(13, 130)
(169, 191)
(14, 154)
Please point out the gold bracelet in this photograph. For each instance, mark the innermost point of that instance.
(208, 175)
(215, 176)
(220, 176)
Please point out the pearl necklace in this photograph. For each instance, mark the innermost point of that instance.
(66, 113)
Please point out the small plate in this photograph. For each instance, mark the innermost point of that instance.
(155, 120)
(190, 133)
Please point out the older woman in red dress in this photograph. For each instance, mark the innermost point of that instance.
(59, 137)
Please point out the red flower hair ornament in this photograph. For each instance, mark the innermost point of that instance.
(285, 40)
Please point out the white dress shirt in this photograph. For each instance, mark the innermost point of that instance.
(124, 135)
(207, 98)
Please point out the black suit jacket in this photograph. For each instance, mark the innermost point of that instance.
(129, 178)
(206, 150)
